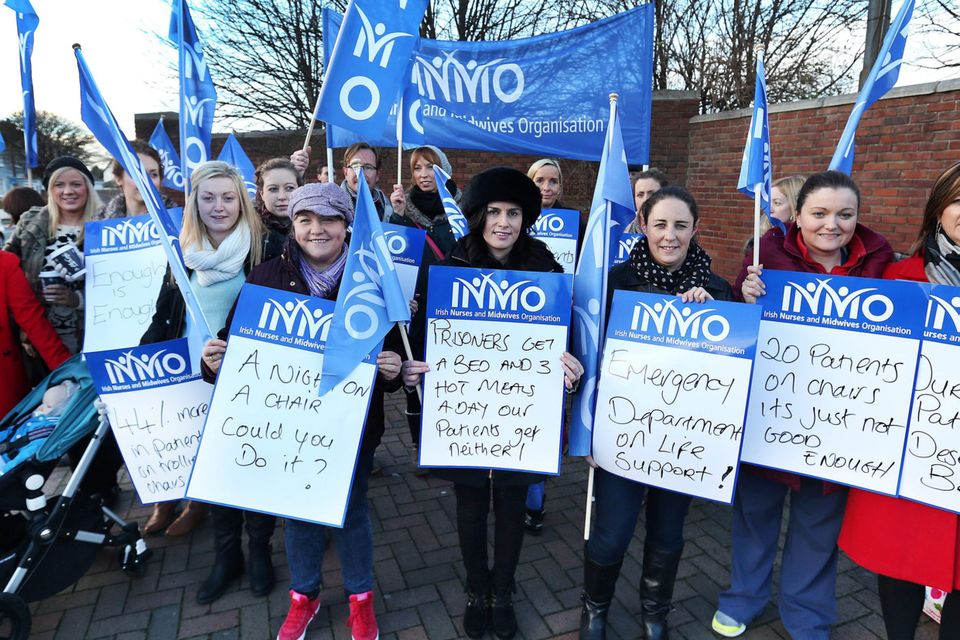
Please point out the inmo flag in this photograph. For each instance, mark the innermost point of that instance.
(883, 75)
(458, 223)
(27, 22)
(757, 166)
(233, 153)
(369, 64)
(172, 174)
(99, 119)
(612, 200)
(370, 300)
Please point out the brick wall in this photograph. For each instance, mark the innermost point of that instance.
(903, 143)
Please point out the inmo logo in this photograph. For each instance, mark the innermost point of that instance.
(625, 246)
(127, 232)
(486, 293)
(472, 82)
(682, 322)
(938, 310)
(396, 242)
(294, 318)
(549, 223)
(822, 299)
(130, 368)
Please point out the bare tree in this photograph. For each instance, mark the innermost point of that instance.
(477, 20)
(941, 19)
(56, 136)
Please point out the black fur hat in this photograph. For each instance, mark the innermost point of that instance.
(502, 184)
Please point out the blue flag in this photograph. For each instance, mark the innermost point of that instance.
(365, 72)
(198, 97)
(757, 165)
(545, 95)
(234, 154)
(172, 173)
(27, 22)
(612, 202)
(458, 223)
(3, 144)
(103, 125)
(370, 299)
(883, 75)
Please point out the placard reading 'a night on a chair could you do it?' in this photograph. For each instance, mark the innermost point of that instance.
(674, 382)
(833, 381)
(270, 443)
(931, 462)
(493, 398)
(156, 407)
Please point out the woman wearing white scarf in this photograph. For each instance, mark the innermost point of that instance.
(222, 239)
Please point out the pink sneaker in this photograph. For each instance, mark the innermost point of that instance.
(302, 610)
(362, 623)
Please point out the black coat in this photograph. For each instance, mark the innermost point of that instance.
(283, 273)
(528, 255)
(169, 320)
(624, 276)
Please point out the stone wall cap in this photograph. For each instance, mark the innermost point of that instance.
(675, 94)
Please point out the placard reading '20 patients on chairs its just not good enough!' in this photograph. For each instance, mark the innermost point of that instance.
(833, 380)
(673, 392)
(270, 443)
(493, 397)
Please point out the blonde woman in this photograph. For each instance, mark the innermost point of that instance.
(783, 202)
(222, 239)
(71, 202)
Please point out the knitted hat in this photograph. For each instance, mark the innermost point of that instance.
(323, 199)
(502, 184)
(60, 163)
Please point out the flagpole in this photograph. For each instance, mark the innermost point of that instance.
(399, 139)
(588, 511)
(406, 347)
(313, 121)
(331, 176)
(757, 190)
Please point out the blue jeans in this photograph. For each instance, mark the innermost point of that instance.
(617, 505)
(808, 576)
(306, 544)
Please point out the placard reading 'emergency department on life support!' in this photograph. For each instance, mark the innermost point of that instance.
(673, 392)
(270, 443)
(833, 382)
(493, 397)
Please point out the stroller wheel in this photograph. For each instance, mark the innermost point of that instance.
(14, 617)
(134, 563)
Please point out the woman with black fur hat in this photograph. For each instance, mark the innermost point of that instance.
(501, 205)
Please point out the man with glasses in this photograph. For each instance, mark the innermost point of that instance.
(358, 156)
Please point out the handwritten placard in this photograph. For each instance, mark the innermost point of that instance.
(156, 408)
(623, 247)
(493, 398)
(125, 269)
(673, 392)
(406, 249)
(558, 229)
(931, 463)
(835, 367)
(270, 443)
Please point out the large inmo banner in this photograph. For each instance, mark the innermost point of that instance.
(493, 397)
(673, 392)
(270, 443)
(834, 375)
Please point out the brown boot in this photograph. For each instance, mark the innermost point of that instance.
(160, 519)
(192, 515)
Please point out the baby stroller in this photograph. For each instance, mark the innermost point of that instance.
(48, 543)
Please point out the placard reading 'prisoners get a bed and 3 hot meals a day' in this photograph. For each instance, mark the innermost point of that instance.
(270, 443)
(833, 380)
(674, 382)
(931, 462)
(125, 268)
(493, 397)
(156, 406)
(558, 229)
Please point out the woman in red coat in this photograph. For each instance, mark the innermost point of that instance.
(908, 544)
(19, 304)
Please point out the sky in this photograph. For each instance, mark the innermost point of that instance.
(132, 66)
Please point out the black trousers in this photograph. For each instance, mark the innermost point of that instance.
(473, 505)
(902, 604)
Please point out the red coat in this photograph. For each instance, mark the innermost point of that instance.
(869, 254)
(897, 537)
(19, 304)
